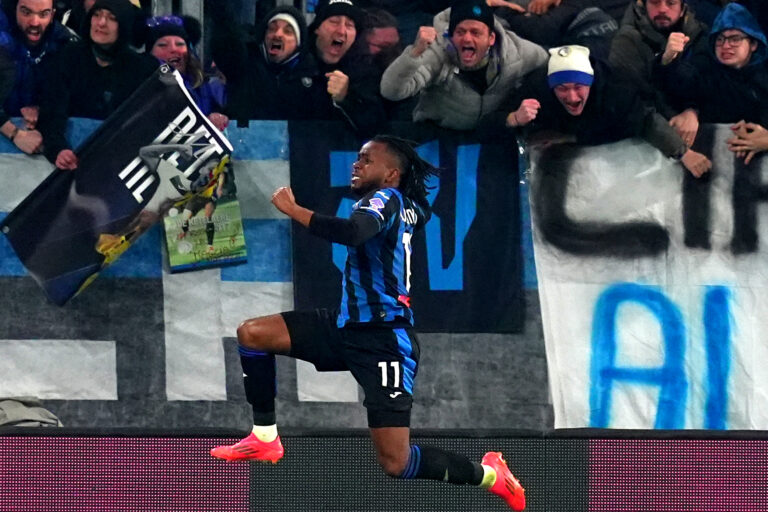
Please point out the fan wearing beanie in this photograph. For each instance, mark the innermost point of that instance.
(461, 67)
(172, 39)
(583, 101)
(92, 77)
(286, 70)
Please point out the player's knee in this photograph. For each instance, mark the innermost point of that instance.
(252, 333)
(393, 466)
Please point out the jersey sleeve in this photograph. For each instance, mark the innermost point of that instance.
(383, 205)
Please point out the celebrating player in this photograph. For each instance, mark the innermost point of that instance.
(371, 334)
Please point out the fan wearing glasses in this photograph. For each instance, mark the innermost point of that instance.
(728, 84)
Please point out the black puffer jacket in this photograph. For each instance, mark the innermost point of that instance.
(296, 88)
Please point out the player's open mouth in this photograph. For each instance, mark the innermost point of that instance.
(276, 47)
(337, 43)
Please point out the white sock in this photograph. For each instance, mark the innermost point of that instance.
(265, 433)
(489, 477)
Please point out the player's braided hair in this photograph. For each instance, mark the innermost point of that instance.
(415, 171)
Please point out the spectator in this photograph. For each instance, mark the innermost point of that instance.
(646, 31)
(32, 41)
(172, 39)
(580, 98)
(286, 71)
(352, 82)
(263, 70)
(381, 33)
(383, 39)
(733, 69)
(730, 84)
(92, 77)
(462, 67)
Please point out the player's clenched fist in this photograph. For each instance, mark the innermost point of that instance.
(283, 199)
(425, 37)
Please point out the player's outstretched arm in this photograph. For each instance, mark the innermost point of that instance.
(354, 231)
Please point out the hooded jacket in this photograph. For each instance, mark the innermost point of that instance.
(445, 97)
(720, 93)
(77, 86)
(638, 44)
(297, 87)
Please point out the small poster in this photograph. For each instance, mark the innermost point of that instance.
(205, 228)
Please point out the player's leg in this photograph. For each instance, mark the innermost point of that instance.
(400, 459)
(259, 339)
(388, 379)
(186, 214)
(302, 335)
(210, 228)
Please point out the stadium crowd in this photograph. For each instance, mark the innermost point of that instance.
(588, 71)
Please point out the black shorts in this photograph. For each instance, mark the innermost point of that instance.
(383, 358)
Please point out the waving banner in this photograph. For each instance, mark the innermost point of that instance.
(653, 286)
(146, 156)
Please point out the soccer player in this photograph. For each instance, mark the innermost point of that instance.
(371, 334)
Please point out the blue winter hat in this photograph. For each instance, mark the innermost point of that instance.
(738, 17)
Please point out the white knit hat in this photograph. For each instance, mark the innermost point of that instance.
(569, 64)
(291, 21)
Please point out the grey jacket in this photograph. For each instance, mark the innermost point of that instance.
(445, 97)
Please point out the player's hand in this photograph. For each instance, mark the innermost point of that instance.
(505, 3)
(696, 163)
(338, 85)
(28, 141)
(424, 38)
(283, 200)
(219, 120)
(30, 114)
(686, 124)
(529, 109)
(67, 160)
(675, 46)
(542, 6)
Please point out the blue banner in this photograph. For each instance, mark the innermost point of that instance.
(467, 264)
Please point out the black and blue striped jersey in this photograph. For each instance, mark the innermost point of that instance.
(377, 275)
